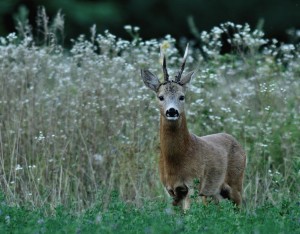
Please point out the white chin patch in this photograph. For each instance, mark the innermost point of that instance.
(172, 118)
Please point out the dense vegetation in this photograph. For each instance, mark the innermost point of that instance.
(153, 217)
(78, 127)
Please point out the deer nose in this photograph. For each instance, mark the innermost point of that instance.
(172, 112)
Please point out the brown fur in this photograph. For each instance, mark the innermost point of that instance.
(217, 160)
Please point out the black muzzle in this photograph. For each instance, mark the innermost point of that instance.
(172, 113)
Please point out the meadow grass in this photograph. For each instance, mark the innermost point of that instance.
(77, 125)
(154, 216)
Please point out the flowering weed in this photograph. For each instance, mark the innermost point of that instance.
(79, 123)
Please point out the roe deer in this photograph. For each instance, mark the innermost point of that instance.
(217, 161)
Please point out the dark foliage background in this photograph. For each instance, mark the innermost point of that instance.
(157, 18)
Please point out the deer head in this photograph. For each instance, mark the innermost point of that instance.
(171, 92)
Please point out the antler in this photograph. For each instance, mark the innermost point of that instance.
(166, 75)
(164, 66)
(177, 78)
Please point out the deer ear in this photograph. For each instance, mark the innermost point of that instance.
(186, 79)
(150, 80)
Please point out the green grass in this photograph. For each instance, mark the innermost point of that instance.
(153, 217)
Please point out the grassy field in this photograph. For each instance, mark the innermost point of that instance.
(79, 131)
(153, 217)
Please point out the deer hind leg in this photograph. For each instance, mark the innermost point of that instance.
(236, 197)
(226, 191)
(236, 194)
(232, 193)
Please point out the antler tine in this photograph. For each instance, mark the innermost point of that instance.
(164, 65)
(177, 78)
(166, 75)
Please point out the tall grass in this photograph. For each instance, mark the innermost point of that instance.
(76, 125)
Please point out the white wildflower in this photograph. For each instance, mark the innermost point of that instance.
(18, 167)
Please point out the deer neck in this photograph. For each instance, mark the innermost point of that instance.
(174, 138)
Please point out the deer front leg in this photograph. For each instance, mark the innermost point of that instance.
(183, 196)
(204, 201)
(180, 196)
(203, 197)
(186, 203)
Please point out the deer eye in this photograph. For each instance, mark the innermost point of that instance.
(161, 98)
(181, 98)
